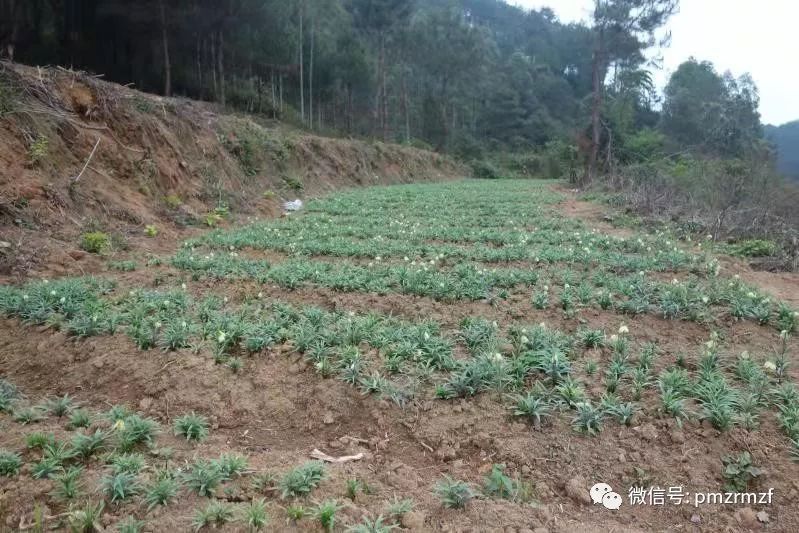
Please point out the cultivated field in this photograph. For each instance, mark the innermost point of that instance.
(486, 350)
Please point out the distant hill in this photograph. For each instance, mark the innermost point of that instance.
(786, 138)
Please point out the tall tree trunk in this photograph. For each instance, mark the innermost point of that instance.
(406, 106)
(302, 59)
(310, 76)
(220, 56)
(596, 110)
(199, 68)
(378, 115)
(165, 44)
(384, 102)
(215, 83)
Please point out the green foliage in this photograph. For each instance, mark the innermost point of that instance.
(38, 150)
(192, 426)
(151, 230)
(739, 472)
(127, 463)
(588, 419)
(301, 480)
(325, 513)
(454, 493)
(120, 486)
(95, 242)
(378, 525)
(10, 463)
(498, 485)
(753, 248)
(254, 515)
(215, 514)
(67, 484)
(203, 477)
(85, 519)
(160, 492)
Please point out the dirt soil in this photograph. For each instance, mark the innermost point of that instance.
(280, 409)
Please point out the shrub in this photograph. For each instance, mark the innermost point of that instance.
(95, 242)
(118, 487)
(173, 201)
(739, 472)
(485, 170)
(255, 516)
(214, 514)
(161, 492)
(192, 426)
(10, 463)
(302, 479)
(150, 230)
(85, 519)
(454, 493)
(325, 512)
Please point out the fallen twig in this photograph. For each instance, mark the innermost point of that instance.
(87, 161)
(316, 454)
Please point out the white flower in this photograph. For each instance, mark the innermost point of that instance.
(705, 299)
(426, 336)
(52, 293)
(260, 295)
(221, 337)
(623, 329)
(63, 300)
(750, 294)
(524, 340)
(24, 296)
(770, 366)
(614, 338)
(183, 286)
(157, 325)
(784, 334)
(744, 355)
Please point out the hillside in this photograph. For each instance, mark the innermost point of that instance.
(786, 140)
(173, 164)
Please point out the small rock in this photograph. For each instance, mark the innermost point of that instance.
(413, 520)
(577, 489)
(677, 436)
(4, 244)
(696, 519)
(526, 470)
(327, 418)
(747, 517)
(648, 432)
(762, 516)
(98, 363)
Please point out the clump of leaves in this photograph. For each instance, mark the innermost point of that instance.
(302, 480)
(325, 512)
(498, 485)
(353, 487)
(46, 468)
(454, 493)
(588, 419)
(87, 445)
(134, 430)
(296, 512)
(130, 463)
(192, 426)
(38, 440)
(68, 483)
(739, 472)
(397, 507)
(85, 519)
(214, 514)
(28, 415)
(59, 406)
(255, 516)
(95, 242)
(160, 492)
(79, 418)
(118, 487)
(230, 465)
(377, 525)
(532, 407)
(10, 463)
(203, 477)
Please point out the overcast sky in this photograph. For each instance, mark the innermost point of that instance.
(755, 36)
